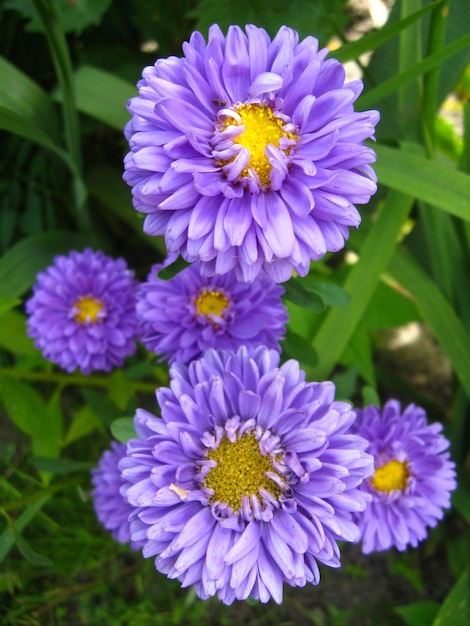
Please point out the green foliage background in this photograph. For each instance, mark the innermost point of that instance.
(67, 70)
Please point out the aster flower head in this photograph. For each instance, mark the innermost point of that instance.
(248, 479)
(247, 153)
(183, 317)
(110, 507)
(413, 476)
(82, 312)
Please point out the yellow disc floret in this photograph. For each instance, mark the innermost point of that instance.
(240, 471)
(262, 128)
(211, 303)
(87, 310)
(393, 475)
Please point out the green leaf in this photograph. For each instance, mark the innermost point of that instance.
(60, 466)
(358, 353)
(8, 303)
(330, 293)
(103, 96)
(27, 551)
(295, 292)
(20, 265)
(75, 15)
(7, 538)
(100, 405)
(296, 347)
(338, 325)
(419, 613)
(119, 389)
(455, 607)
(372, 40)
(370, 396)
(21, 95)
(437, 312)
(13, 335)
(170, 271)
(84, 422)
(123, 429)
(28, 411)
(461, 501)
(106, 185)
(430, 181)
(18, 124)
(408, 76)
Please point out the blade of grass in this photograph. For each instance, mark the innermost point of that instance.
(434, 183)
(7, 538)
(339, 324)
(397, 82)
(437, 313)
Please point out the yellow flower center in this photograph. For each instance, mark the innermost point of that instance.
(262, 128)
(240, 471)
(88, 309)
(393, 475)
(211, 303)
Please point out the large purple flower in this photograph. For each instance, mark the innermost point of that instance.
(247, 153)
(248, 479)
(110, 507)
(82, 312)
(413, 476)
(184, 316)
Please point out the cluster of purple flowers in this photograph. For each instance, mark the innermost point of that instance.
(248, 157)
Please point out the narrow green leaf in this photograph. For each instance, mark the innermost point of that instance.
(437, 312)
(24, 97)
(26, 550)
(435, 183)
(404, 78)
(170, 271)
(106, 185)
(374, 39)
(103, 96)
(338, 324)
(298, 294)
(123, 429)
(100, 405)
(60, 466)
(455, 608)
(461, 501)
(18, 124)
(7, 539)
(20, 265)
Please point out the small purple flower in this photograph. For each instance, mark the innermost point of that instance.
(413, 476)
(82, 312)
(248, 479)
(247, 153)
(184, 316)
(111, 508)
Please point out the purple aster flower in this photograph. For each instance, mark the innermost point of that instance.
(183, 317)
(413, 476)
(111, 508)
(248, 479)
(82, 312)
(247, 153)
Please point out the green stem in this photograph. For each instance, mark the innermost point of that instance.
(74, 379)
(49, 14)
